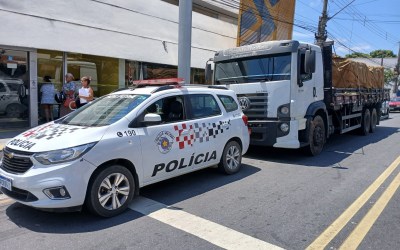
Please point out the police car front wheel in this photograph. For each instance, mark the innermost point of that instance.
(231, 159)
(111, 191)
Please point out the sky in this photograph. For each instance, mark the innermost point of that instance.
(363, 26)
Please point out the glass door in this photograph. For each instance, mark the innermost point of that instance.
(14, 89)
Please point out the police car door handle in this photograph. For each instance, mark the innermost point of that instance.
(185, 132)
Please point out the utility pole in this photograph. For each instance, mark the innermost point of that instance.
(321, 36)
(396, 82)
(184, 39)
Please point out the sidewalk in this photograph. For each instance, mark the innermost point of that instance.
(7, 134)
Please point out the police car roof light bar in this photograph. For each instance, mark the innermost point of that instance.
(158, 82)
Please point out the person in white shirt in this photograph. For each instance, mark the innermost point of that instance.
(86, 92)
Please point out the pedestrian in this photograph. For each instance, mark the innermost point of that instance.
(86, 92)
(68, 90)
(47, 99)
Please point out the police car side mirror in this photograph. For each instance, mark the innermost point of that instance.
(151, 119)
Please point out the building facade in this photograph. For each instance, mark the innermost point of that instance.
(113, 42)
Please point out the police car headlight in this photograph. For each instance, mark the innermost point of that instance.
(62, 155)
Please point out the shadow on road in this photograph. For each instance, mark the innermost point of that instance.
(168, 192)
(338, 147)
(63, 223)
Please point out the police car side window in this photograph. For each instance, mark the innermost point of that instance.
(171, 109)
(203, 105)
(228, 102)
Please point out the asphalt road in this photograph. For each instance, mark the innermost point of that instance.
(280, 198)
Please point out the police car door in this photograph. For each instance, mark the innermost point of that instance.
(163, 155)
(207, 129)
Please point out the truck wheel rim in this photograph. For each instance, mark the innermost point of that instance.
(233, 157)
(318, 136)
(113, 191)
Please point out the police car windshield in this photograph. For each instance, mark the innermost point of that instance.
(104, 111)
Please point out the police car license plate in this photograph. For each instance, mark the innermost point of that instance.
(5, 182)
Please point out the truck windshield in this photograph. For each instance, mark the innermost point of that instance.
(254, 69)
(104, 111)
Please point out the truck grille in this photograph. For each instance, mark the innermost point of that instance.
(16, 162)
(258, 109)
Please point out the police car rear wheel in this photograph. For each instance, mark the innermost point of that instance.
(231, 159)
(111, 191)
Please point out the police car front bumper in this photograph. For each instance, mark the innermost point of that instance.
(50, 187)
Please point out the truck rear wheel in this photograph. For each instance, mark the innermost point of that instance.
(374, 120)
(365, 122)
(316, 136)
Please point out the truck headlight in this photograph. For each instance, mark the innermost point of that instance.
(63, 155)
(284, 110)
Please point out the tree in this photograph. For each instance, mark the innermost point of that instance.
(389, 76)
(382, 53)
(357, 55)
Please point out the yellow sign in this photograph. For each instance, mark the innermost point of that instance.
(265, 20)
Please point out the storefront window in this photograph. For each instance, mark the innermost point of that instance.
(197, 76)
(50, 63)
(143, 70)
(102, 70)
(14, 89)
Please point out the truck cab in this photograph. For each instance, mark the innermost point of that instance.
(278, 84)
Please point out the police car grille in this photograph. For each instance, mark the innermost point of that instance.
(259, 106)
(17, 164)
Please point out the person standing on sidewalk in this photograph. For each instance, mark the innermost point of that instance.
(86, 92)
(69, 92)
(47, 90)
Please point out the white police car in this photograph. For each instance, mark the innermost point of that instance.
(100, 155)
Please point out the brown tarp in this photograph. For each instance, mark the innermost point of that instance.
(351, 74)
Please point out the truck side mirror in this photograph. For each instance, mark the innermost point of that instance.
(208, 71)
(309, 64)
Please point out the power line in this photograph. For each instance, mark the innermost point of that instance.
(364, 21)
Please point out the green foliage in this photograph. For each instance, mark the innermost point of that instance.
(388, 75)
(357, 55)
(382, 53)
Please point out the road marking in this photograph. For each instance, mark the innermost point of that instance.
(323, 240)
(212, 232)
(358, 234)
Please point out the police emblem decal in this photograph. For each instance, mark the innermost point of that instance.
(164, 141)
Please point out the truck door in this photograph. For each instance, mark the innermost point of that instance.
(305, 91)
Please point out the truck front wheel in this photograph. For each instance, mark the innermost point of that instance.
(316, 136)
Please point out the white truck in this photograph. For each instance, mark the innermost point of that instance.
(285, 88)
